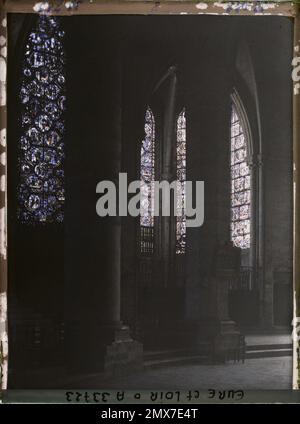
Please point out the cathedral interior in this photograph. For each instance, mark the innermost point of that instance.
(160, 98)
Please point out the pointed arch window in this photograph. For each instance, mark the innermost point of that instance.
(181, 178)
(42, 95)
(240, 182)
(147, 177)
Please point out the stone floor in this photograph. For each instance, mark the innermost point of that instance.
(263, 373)
(265, 339)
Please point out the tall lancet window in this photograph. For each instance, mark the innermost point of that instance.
(240, 183)
(147, 176)
(181, 178)
(42, 94)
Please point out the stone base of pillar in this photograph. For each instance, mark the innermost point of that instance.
(101, 348)
(198, 333)
(228, 342)
(122, 353)
(219, 340)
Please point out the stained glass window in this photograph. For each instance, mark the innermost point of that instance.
(181, 178)
(147, 176)
(42, 95)
(240, 184)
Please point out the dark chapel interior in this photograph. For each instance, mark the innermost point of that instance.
(90, 293)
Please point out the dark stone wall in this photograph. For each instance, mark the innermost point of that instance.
(274, 93)
(212, 59)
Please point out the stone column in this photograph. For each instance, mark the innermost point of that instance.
(168, 172)
(226, 343)
(117, 348)
(96, 336)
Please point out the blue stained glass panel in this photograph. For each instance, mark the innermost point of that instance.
(181, 177)
(147, 172)
(42, 96)
(240, 184)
